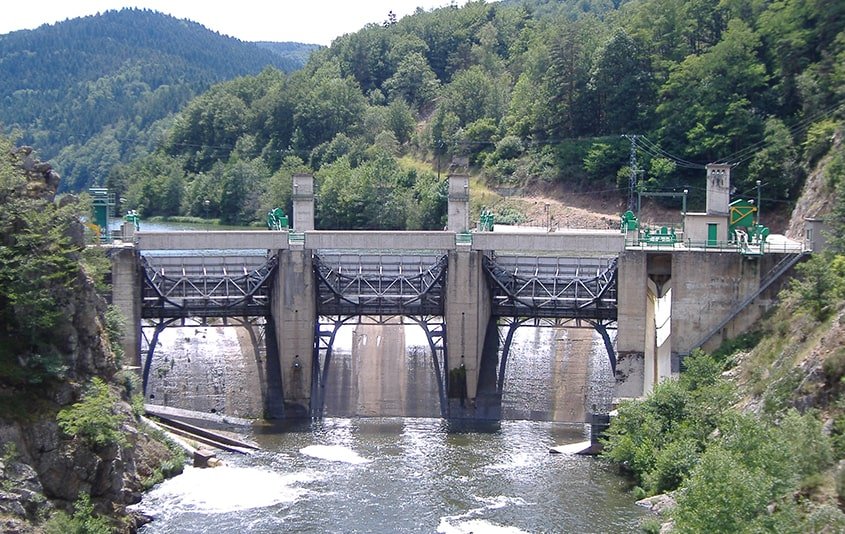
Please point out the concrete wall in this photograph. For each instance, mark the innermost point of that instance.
(584, 242)
(467, 314)
(632, 302)
(303, 202)
(718, 188)
(458, 203)
(126, 280)
(372, 240)
(294, 313)
(707, 286)
(695, 227)
(222, 240)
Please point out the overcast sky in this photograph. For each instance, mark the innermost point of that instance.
(304, 21)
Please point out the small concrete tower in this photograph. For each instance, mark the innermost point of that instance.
(458, 220)
(718, 188)
(303, 202)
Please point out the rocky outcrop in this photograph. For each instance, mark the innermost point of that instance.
(41, 468)
(817, 197)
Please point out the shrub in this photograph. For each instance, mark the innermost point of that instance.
(672, 465)
(83, 520)
(834, 367)
(722, 495)
(115, 325)
(93, 418)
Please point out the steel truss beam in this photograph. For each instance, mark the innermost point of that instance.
(547, 288)
(196, 290)
(375, 285)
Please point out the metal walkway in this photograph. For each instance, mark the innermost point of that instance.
(203, 286)
(550, 287)
(380, 286)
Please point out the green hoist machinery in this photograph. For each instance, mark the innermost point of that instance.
(103, 203)
(742, 228)
(277, 220)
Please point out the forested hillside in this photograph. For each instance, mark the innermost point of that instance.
(532, 92)
(88, 92)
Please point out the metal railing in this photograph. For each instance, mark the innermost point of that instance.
(721, 246)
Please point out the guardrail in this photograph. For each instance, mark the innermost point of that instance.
(719, 246)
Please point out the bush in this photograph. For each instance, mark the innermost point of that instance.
(834, 367)
(115, 325)
(83, 520)
(672, 465)
(93, 418)
(722, 495)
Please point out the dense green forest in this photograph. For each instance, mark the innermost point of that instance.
(531, 92)
(94, 91)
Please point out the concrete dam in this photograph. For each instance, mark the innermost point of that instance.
(322, 315)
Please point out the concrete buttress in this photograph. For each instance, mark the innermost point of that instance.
(294, 309)
(468, 313)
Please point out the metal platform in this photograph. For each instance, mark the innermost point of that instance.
(206, 286)
(380, 285)
(555, 288)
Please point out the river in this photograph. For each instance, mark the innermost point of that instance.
(392, 475)
(390, 472)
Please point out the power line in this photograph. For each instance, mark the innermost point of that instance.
(744, 154)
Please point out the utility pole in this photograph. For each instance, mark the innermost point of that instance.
(632, 182)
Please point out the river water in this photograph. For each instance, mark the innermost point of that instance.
(394, 475)
(382, 461)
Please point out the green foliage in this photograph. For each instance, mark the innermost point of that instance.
(94, 419)
(524, 90)
(819, 285)
(89, 91)
(742, 342)
(650, 525)
(115, 324)
(39, 268)
(727, 466)
(408, 199)
(83, 520)
(10, 452)
(723, 495)
(603, 161)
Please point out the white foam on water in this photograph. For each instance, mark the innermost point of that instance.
(516, 461)
(469, 523)
(222, 489)
(334, 453)
(475, 526)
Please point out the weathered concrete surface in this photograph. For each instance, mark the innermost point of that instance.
(468, 310)
(294, 311)
(217, 240)
(379, 240)
(587, 242)
(708, 285)
(209, 369)
(303, 202)
(381, 371)
(126, 297)
(458, 203)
